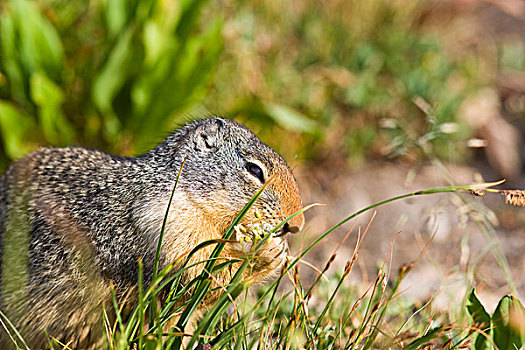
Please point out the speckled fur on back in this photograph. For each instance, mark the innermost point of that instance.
(73, 221)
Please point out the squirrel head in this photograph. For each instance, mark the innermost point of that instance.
(226, 164)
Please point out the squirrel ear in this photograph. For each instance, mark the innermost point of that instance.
(207, 135)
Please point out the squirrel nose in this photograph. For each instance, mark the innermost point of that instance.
(294, 225)
(290, 229)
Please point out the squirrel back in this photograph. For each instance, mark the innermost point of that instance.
(75, 221)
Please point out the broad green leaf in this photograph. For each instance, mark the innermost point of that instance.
(175, 83)
(159, 32)
(156, 41)
(120, 14)
(481, 318)
(10, 62)
(49, 97)
(189, 16)
(507, 320)
(112, 78)
(14, 125)
(160, 47)
(116, 15)
(290, 118)
(145, 9)
(40, 45)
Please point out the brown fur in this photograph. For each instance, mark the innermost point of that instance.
(75, 222)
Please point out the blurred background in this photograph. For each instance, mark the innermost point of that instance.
(364, 99)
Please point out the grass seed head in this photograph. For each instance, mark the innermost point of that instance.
(348, 268)
(330, 262)
(515, 197)
(404, 269)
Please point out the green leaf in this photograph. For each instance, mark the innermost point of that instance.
(190, 10)
(290, 118)
(14, 125)
(175, 82)
(115, 15)
(481, 319)
(40, 47)
(156, 42)
(509, 332)
(45, 91)
(112, 78)
(49, 97)
(10, 63)
(429, 336)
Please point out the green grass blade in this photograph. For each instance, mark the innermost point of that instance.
(330, 300)
(214, 314)
(165, 220)
(3, 318)
(432, 334)
(204, 284)
(153, 313)
(375, 205)
(117, 310)
(370, 340)
(369, 311)
(141, 304)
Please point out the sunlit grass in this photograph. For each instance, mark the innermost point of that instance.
(330, 313)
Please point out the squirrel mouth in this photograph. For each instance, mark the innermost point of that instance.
(251, 234)
(283, 230)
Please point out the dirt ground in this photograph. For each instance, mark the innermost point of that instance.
(466, 233)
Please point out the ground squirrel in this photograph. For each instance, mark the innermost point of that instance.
(73, 221)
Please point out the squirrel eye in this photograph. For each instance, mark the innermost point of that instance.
(256, 171)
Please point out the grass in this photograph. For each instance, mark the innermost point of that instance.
(351, 69)
(391, 88)
(329, 313)
(118, 77)
(321, 316)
